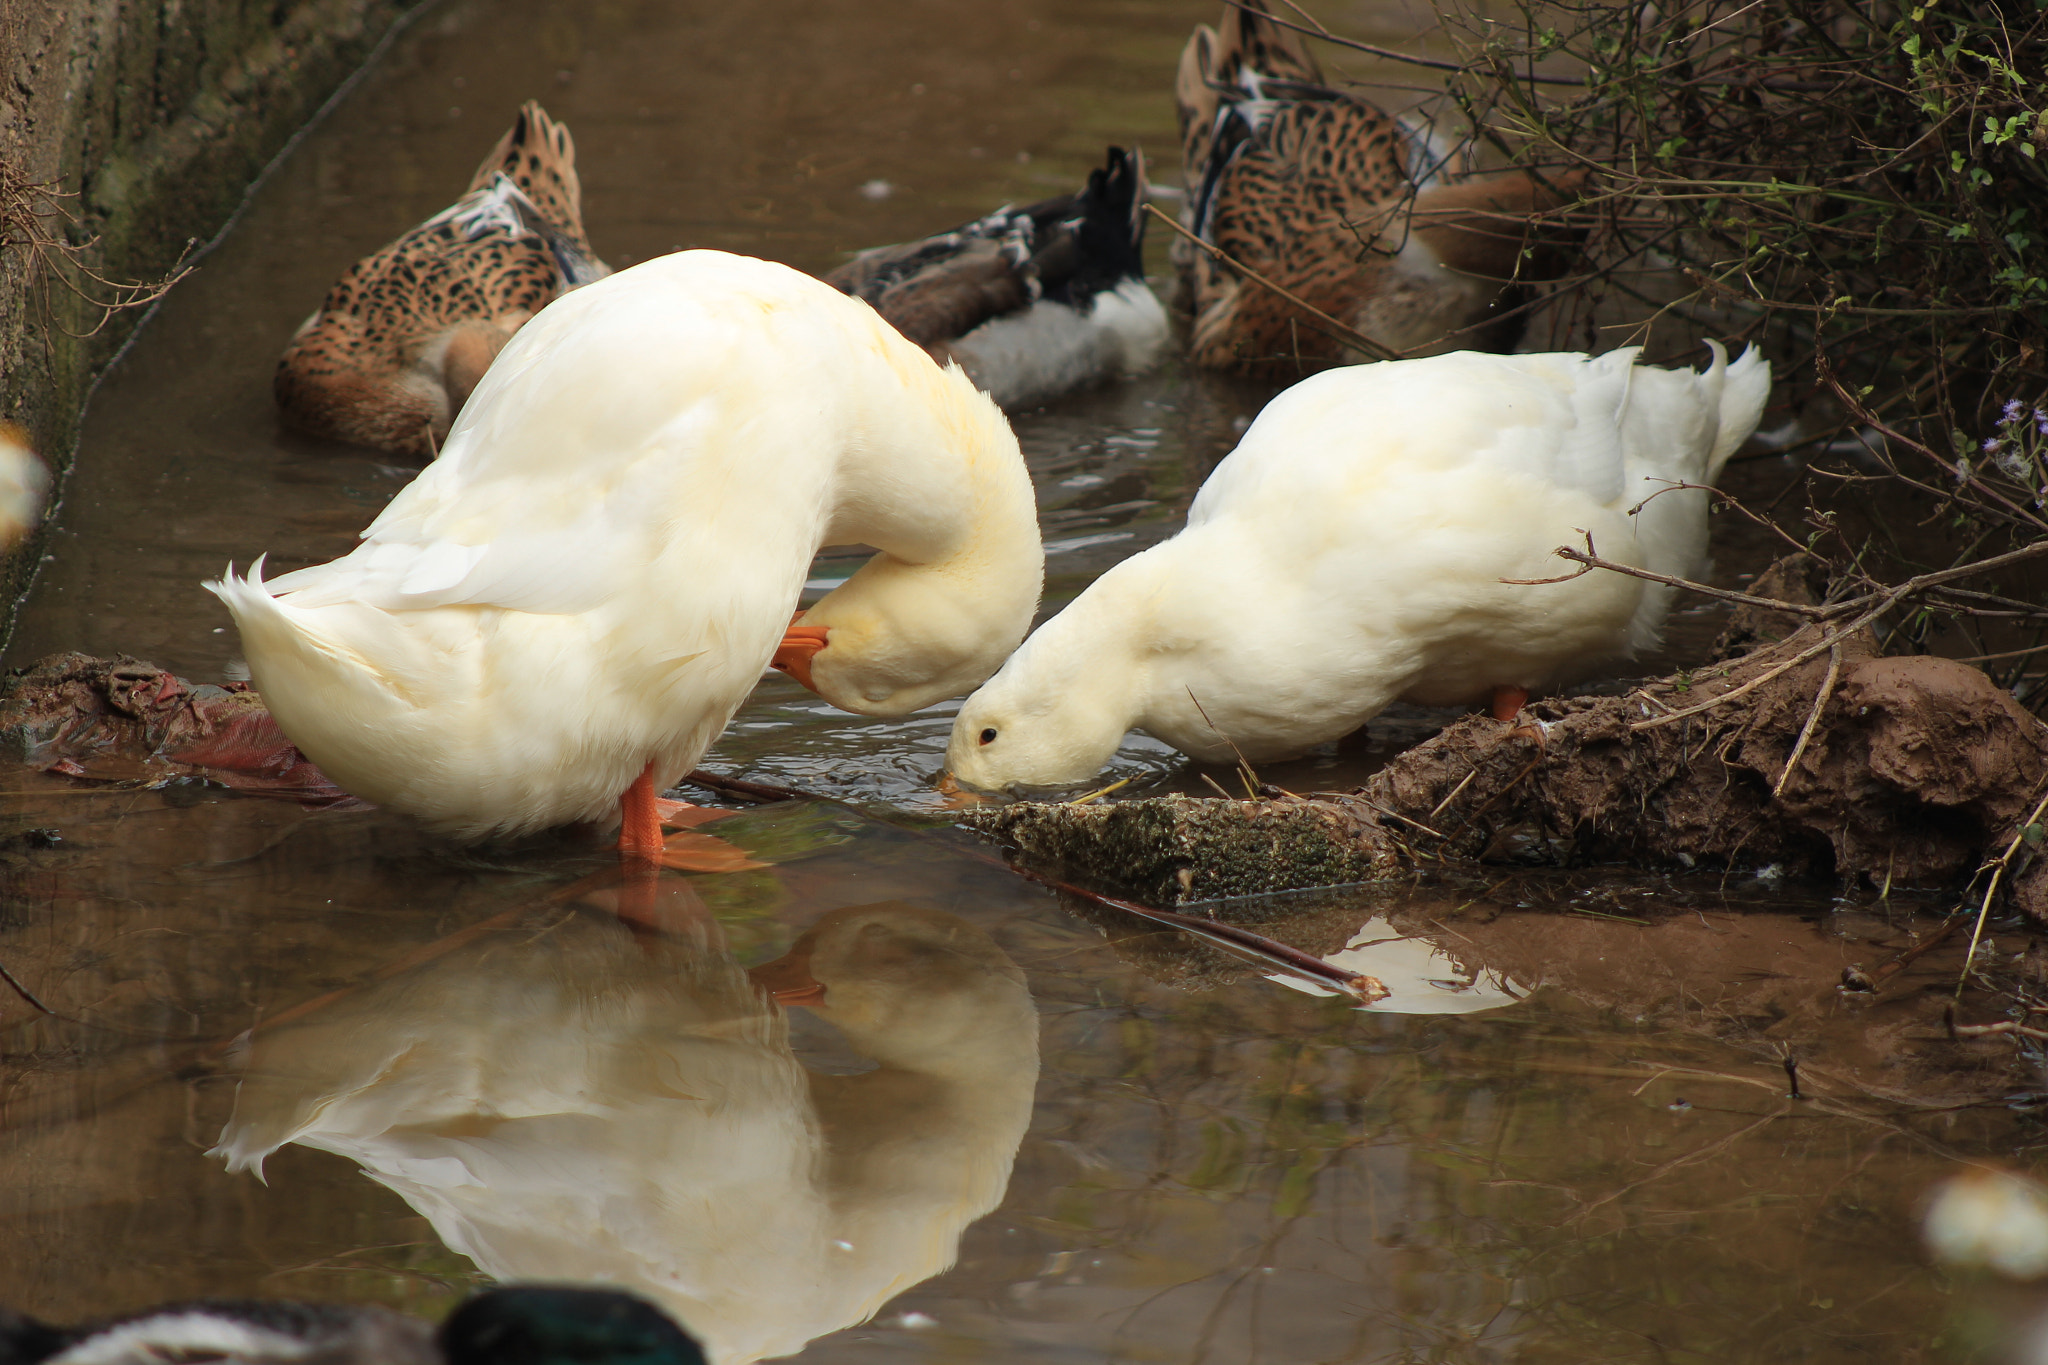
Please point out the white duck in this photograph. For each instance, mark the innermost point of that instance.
(1350, 552)
(570, 603)
(628, 1110)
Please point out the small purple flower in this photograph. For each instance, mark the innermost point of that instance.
(2041, 420)
(1992, 445)
(2013, 411)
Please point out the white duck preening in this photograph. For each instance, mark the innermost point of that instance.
(629, 1111)
(570, 603)
(1350, 552)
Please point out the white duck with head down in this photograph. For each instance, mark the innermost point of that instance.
(1350, 552)
(576, 596)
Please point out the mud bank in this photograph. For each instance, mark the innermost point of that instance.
(1914, 772)
(145, 124)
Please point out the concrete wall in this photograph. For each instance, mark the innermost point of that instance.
(149, 118)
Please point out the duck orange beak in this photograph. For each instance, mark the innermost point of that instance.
(788, 979)
(800, 644)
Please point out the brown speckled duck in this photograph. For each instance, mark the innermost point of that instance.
(1344, 206)
(405, 335)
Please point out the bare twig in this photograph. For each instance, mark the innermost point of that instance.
(1588, 560)
(1820, 704)
(1997, 868)
(24, 992)
(1314, 29)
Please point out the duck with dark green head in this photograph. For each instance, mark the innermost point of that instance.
(519, 1325)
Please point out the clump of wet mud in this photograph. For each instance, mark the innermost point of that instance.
(1909, 772)
(125, 720)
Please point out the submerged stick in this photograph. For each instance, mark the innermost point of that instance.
(1267, 952)
(25, 993)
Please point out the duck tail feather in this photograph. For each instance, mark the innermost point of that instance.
(1252, 41)
(1745, 386)
(1196, 96)
(1111, 233)
(538, 155)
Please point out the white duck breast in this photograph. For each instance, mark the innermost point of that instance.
(1350, 552)
(1024, 358)
(595, 572)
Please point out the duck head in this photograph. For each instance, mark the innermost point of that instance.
(899, 636)
(564, 1325)
(1056, 712)
(914, 989)
(946, 499)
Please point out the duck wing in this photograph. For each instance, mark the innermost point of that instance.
(1066, 248)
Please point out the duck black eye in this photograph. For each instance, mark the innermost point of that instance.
(988, 736)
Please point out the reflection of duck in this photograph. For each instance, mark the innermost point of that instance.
(530, 1324)
(1337, 202)
(406, 334)
(1351, 552)
(1420, 977)
(602, 1111)
(571, 602)
(1030, 301)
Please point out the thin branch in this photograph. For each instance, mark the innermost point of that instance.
(1820, 704)
(1391, 54)
(1998, 869)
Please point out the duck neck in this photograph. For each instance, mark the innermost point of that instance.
(1091, 666)
(934, 481)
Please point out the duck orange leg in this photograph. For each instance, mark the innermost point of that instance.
(642, 846)
(640, 841)
(1508, 703)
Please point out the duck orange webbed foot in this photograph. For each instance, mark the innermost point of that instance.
(691, 852)
(643, 847)
(687, 815)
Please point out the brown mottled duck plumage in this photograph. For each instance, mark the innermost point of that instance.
(1339, 203)
(405, 335)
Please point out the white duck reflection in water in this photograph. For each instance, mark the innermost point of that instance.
(578, 1103)
(1421, 977)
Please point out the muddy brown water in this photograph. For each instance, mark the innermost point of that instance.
(1584, 1152)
